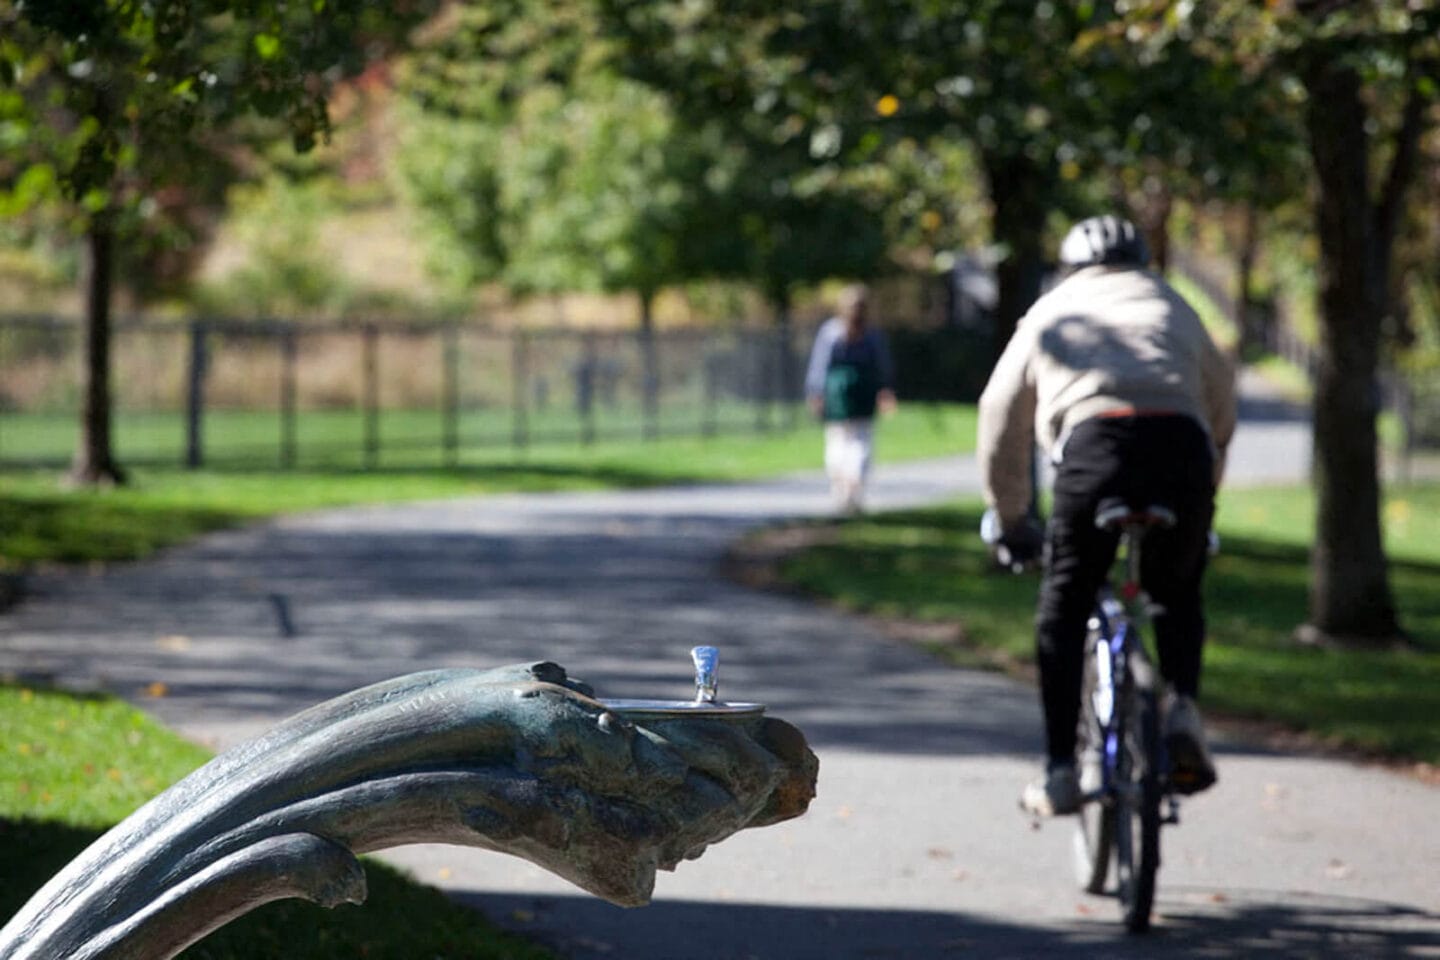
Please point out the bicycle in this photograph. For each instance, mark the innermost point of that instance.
(1125, 772)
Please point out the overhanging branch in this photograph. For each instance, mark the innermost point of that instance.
(1390, 203)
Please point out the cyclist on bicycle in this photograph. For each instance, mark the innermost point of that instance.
(1113, 374)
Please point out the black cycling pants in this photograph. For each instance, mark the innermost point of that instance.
(1148, 459)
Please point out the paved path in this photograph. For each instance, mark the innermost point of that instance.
(913, 847)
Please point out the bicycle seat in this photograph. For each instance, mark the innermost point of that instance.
(1116, 515)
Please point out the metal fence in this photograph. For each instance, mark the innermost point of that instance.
(278, 394)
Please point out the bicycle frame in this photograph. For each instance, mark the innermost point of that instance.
(1122, 691)
(1119, 625)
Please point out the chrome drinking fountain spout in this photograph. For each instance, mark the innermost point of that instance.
(707, 673)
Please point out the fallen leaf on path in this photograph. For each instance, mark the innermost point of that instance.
(598, 946)
(1338, 870)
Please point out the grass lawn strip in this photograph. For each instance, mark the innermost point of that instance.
(42, 523)
(928, 566)
(71, 766)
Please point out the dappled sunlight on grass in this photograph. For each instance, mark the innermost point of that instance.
(85, 760)
(930, 565)
(71, 765)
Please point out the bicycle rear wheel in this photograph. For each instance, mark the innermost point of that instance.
(1136, 812)
(1095, 826)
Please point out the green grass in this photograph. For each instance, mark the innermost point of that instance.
(1291, 380)
(41, 522)
(930, 565)
(414, 439)
(1220, 325)
(337, 437)
(71, 766)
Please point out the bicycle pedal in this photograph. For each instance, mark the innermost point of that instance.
(1172, 812)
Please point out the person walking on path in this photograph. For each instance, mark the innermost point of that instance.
(849, 379)
(1113, 373)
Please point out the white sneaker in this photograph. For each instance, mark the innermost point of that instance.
(1191, 769)
(1092, 772)
(1055, 794)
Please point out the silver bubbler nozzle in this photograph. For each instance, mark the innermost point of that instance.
(707, 680)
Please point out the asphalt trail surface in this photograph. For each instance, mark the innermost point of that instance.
(913, 847)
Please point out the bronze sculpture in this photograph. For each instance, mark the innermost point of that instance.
(521, 760)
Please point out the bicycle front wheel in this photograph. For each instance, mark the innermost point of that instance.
(1136, 812)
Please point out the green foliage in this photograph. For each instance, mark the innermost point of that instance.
(600, 192)
(1060, 113)
(449, 174)
(286, 273)
(72, 764)
(140, 112)
(931, 195)
(548, 171)
(1220, 327)
(540, 165)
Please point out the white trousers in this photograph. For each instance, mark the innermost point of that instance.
(848, 444)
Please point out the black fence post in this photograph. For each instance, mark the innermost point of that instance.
(763, 387)
(709, 387)
(650, 387)
(450, 394)
(786, 359)
(289, 352)
(371, 387)
(520, 390)
(586, 390)
(195, 396)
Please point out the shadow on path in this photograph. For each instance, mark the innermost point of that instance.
(260, 624)
(1239, 924)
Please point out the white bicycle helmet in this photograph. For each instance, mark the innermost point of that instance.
(1108, 240)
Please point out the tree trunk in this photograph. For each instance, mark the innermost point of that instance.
(1019, 189)
(94, 463)
(650, 388)
(1350, 597)
(791, 395)
(1247, 319)
(1154, 209)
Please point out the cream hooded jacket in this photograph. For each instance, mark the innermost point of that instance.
(1103, 340)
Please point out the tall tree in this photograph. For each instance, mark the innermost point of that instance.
(845, 80)
(1183, 124)
(1350, 593)
(107, 102)
(1369, 76)
(575, 176)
